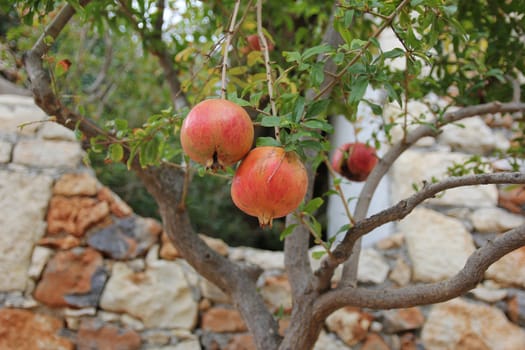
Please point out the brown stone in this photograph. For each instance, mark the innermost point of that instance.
(512, 199)
(94, 334)
(374, 342)
(72, 278)
(241, 342)
(221, 320)
(284, 324)
(408, 341)
(509, 269)
(60, 241)
(25, 330)
(74, 215)
(81, 184)
(350, 324)
(276, 293)
(169, 252)
(118, 207)
(399, 320)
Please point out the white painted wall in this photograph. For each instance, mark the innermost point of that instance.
(344, 132)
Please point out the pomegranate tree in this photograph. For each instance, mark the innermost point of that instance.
(217, 133)
(269, 183)
(354, 161)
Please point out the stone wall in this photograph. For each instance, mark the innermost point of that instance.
(80, 270)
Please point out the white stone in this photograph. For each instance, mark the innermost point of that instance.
(16, 111)
(414, 167)
(38, 260)
(458, 324)
(438, 245)
(495, 220)
(23, 199)
(153, 254)
(268, 260)
(188, 345)
(316, 263)
(20, 301)
(159, 297)
(469, 135)
(418, 112)
(5, 151)
(372, 267)
(329, 342)
(401, 273)
(185, 345)
(108, 316)
(48, 154)
(489, 295)
(132, 323)
(213, 293)
(54, 131)
(87, 311)
(509, 270)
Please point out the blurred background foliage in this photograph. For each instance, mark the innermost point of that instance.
(112, 74)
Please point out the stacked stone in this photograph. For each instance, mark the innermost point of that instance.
(80, 270)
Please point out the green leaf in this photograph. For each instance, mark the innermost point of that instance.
(357, 43)
(316, 50)
(316, 108)
(116, 152)
(317, 74)
(243, 103)
(287, 231)
(267, 141)
(343, 228)
(349, 17)
(397, 52)
(358, 89)
(270, 121)
(292, 56)
(313, 205)
(311, 144)
(319, 124)
(318, 254)
(299, 109)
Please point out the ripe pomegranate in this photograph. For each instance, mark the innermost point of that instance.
(354, 161)
(269, 183)
(254, 44)
(217, 133)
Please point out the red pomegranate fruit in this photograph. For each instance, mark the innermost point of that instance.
(217, 133)
(354, 161)
(269, 183)
(254, 44)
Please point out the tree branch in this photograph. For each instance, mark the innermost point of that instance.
(384, 164)
(165, 185)
(466, 279)
(304, 329)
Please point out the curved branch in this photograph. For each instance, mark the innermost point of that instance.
(365, 197)
(165, 185)
(466, 279)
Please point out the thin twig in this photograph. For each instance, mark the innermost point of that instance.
(317, 240)
(226, 49)
(340, 191)
(266, 54)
